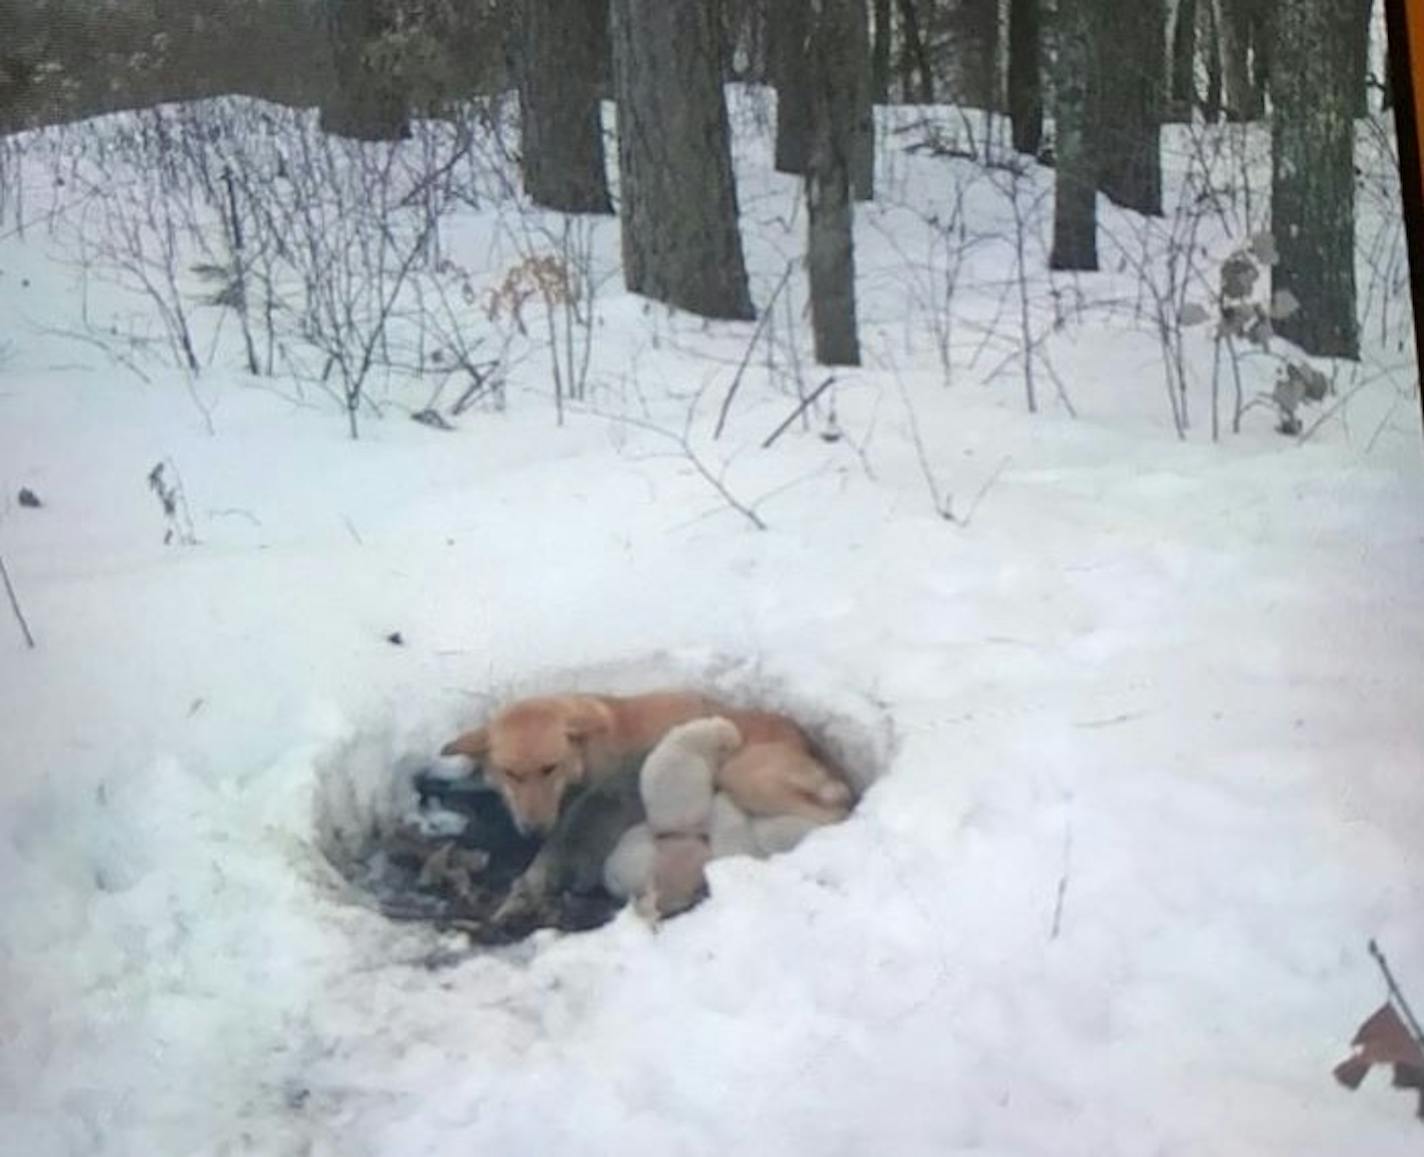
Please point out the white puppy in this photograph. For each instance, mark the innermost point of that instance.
(677, 777)
(734, 833)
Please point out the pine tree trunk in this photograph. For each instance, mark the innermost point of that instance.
(791, 74)
(834, 57)
(562, 130)
(678, 197)
(1313, 176)
(369, 103)
(1075, 210)
(1131, 74)
(1025, 75)
(1184, 63)
(880, 54)
(1211, 41)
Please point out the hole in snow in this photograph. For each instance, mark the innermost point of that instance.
(425, 841)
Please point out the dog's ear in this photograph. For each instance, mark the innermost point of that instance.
(473, 743)
(585, 718)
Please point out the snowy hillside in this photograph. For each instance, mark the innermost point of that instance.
(1144, 712)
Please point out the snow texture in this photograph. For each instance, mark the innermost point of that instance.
(1141, 742)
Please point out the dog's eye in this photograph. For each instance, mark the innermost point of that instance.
(548, 771)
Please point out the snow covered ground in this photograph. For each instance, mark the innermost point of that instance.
(1147, 728)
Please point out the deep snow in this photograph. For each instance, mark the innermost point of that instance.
(1148, 726)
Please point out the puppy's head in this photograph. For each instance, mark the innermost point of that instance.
(715, 736)
(532, 752)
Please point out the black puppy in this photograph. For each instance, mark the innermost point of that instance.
(570, 864)
(488, 826)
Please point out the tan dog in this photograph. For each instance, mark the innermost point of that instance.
(534, 750)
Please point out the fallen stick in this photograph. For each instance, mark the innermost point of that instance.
(15, 605)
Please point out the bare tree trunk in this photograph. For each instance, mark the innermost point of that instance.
(561, 126)
(880, 54)
(862, 145)
(1075, 209)
(835, 58)
(678, 200)
(1184, 62)
(370, 101)
(1211, 47)
(914, 59)
(745, 36)
(1360, 53)
(1233, 30)
(1313, 176)
(1025, 74)
(1262, 34)
(791, 73)
(965, 34)
(1131, 52)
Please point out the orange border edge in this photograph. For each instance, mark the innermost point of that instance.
(1405, 22)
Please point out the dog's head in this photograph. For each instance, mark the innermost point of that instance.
(533, 752)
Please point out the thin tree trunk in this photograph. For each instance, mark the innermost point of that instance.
(1075, 214)
(835, 56)
(862, 144)
(1262, 33)
(880, 54)
(1233, 30)
(1313, 176)
(678, 200)
(1211, 47)
(915, 60)
(1360, 50)
(1184, 62)
(791, 74)
(561, 126)
(370, 102)
(1131, 51)
(1025, 74)
(966, 36)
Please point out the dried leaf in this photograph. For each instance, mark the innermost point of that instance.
(1193, 313)
(1238, 276)
(1284, 304)
(1385, 1040)
(1263, 248)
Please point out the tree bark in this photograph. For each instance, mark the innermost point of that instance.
(1075, 213)
(1025, 75)
(561, 125)
(370, 102)
(914, 59)
(1262, 14)
(1313, 176)
(835, 56)
(678, 197)
(880, 54)
(791, 74)
(967, 44)
(1131, 70)
(1184, 63)
(1233, 30)
(1360, 53)
(1211, 40)
(862, 144)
